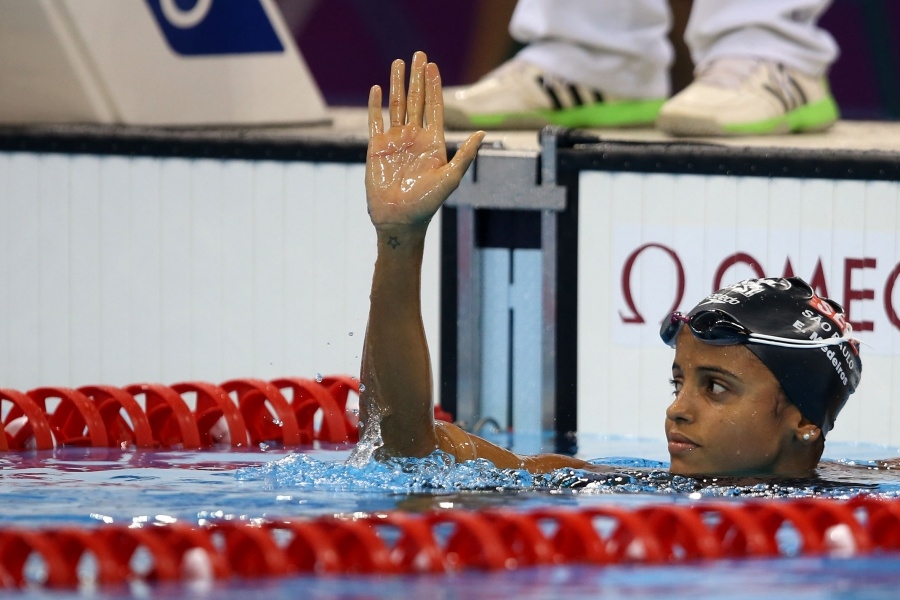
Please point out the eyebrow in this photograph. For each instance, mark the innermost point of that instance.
(717, 370)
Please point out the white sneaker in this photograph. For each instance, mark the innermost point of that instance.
(519, 95)
(749, 96)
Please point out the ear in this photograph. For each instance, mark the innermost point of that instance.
(802, 429)
(807, 432)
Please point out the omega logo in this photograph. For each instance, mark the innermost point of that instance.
(849, 299)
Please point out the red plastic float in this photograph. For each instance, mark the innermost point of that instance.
(310, 396)
(452, 540)
(36, 425)
(76, 420)
(111, 402)
(214, 403)
(252, 397)
(239, 412)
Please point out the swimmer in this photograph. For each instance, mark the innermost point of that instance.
(761, 369)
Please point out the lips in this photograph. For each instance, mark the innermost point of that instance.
(679, 444)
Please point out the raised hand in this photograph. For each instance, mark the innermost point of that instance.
(407, 173)
(407, 179)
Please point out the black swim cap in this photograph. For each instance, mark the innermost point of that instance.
(818, 380)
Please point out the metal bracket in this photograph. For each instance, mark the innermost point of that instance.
(503, 179)
(512, 179)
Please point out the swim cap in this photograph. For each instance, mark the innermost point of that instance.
(816, 379)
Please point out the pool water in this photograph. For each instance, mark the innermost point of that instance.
(89, 487)
(872, 578)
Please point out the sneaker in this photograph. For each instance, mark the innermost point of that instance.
(519, 95)
(749, 96)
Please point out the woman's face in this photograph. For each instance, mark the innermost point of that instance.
(726, 418)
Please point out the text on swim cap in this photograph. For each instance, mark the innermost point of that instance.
(823, 307)
(833, 357)
(720, 299)
(846, 350)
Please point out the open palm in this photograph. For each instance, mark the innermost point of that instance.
(408, 176)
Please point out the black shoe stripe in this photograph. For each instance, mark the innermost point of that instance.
(576, 97)
(551, 93)
(779, 96)
(798, 89)
(595, 95)
(794, 95)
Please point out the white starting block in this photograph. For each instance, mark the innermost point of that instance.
(152, 62)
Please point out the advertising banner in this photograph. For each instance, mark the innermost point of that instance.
(654, 243)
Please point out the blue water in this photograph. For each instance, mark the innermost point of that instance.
(872, 578)
(794, 579)
(88, 487)
(439, 474)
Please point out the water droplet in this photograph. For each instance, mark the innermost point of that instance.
(350, 334)
(319, 377)
(362, 387)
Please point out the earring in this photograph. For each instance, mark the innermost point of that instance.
(806, 436)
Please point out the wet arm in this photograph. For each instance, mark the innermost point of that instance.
(396, 368)
(465, 446)
(408, 177)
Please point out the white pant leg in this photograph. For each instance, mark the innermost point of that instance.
(620, 47)
(780, 30)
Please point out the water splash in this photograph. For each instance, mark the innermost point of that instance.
(370, 439)
(439, 472)
(434, 473)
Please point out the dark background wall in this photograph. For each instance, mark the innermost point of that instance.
(349, 44)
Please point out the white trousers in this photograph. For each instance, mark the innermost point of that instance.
(621, 47)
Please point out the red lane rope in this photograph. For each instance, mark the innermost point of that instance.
(447, 541)
(291, 411)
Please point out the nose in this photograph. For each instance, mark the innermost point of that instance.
(681, 408)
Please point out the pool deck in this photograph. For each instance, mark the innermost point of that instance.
(348, 127)
(845, 135)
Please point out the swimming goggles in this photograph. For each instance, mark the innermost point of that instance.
(720, 329)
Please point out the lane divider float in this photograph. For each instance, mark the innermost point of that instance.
(239, 412)
(448, 541)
